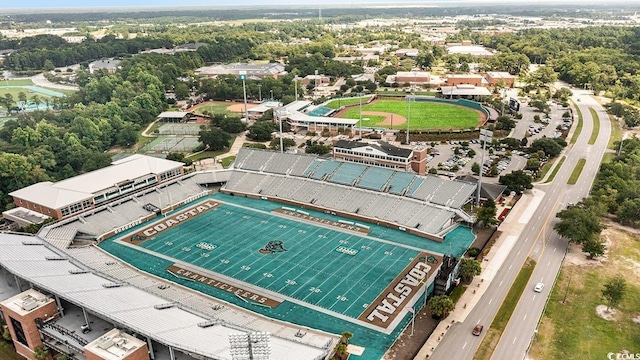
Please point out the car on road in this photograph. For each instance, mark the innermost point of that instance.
(477, 330)
(538, 288)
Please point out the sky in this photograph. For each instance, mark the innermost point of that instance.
(227, 3)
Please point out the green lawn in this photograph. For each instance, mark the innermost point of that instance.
(556, 169)
(570, 328)
(214, 107)
(596, 127)
(424, 115)
(337, 103)
(491, 339)
(227, 161)
(578, 130)
(16, 82)
(575, 174)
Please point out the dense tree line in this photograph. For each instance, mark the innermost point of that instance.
(109, 110)
(61, 54)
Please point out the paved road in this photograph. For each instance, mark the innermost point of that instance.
(520, 330)
(539, 242)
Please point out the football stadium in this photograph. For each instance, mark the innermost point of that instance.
(275, 257)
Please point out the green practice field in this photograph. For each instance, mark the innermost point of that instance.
(424, 115)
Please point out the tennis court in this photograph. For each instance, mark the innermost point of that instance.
(337, 271)
(179, 129)
(172, 143)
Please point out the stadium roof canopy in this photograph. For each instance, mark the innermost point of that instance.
(134, 308)
(381, 146)
(81, 187)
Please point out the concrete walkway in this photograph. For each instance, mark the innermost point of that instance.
(40, 80)
(513, 225)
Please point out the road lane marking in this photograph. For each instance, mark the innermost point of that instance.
(525, 317)
(514, 340)
(510, 266)
(501, 283)
(490, 300)
(534, 297)
(465, 345)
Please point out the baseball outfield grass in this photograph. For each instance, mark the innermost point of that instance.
(424, 115)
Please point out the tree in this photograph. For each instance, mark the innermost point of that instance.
(440, 306)
(286, 143)
(317, 148)
(540, 105)
(578, 224)
(475, 168)
(176, 156)
(22, 97)
(614, 290)
(261, 131)
(551, 147)
(346, 336)
(594, 246)
(232, 125)
(214, 138)
(36, 100)
(469, 268)
(517, 181)
(182, 91)
(486, 214)
(40, 353)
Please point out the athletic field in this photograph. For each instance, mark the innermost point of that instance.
(424, 115)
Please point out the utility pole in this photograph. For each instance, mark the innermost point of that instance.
(485, 136)
(360, 131)
(260, 91)
(295, 81)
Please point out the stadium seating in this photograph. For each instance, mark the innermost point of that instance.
(347, 173)
(375, 178)
(325, 168)
(400, 181)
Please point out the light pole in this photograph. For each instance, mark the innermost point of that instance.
(485, 136)
(276, 114)
(271, 91)
(295, 82)
(315, 89)
(360, 130)
(243, 76)
(260, 91)
(408, 119)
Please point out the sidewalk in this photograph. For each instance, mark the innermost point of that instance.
(513, 225)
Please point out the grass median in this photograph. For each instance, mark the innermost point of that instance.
(575, 174)
(492, 337)
(556, 169)
(578, 130)
(596, 127)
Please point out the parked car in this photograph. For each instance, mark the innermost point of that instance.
(477, 330)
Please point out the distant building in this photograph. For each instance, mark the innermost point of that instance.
(465, 79)
(407, 52)
(467, 48)
(316, 79)
(174, 116)
(74, 39)
(189, 47)
(377, 50)
(84, 192)
(464, 91)
(254, 71)
(502, 78)
(111, 65)
(410, 77)
(363, 78)
(381, 154)
(4, 54)
(352, 59)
